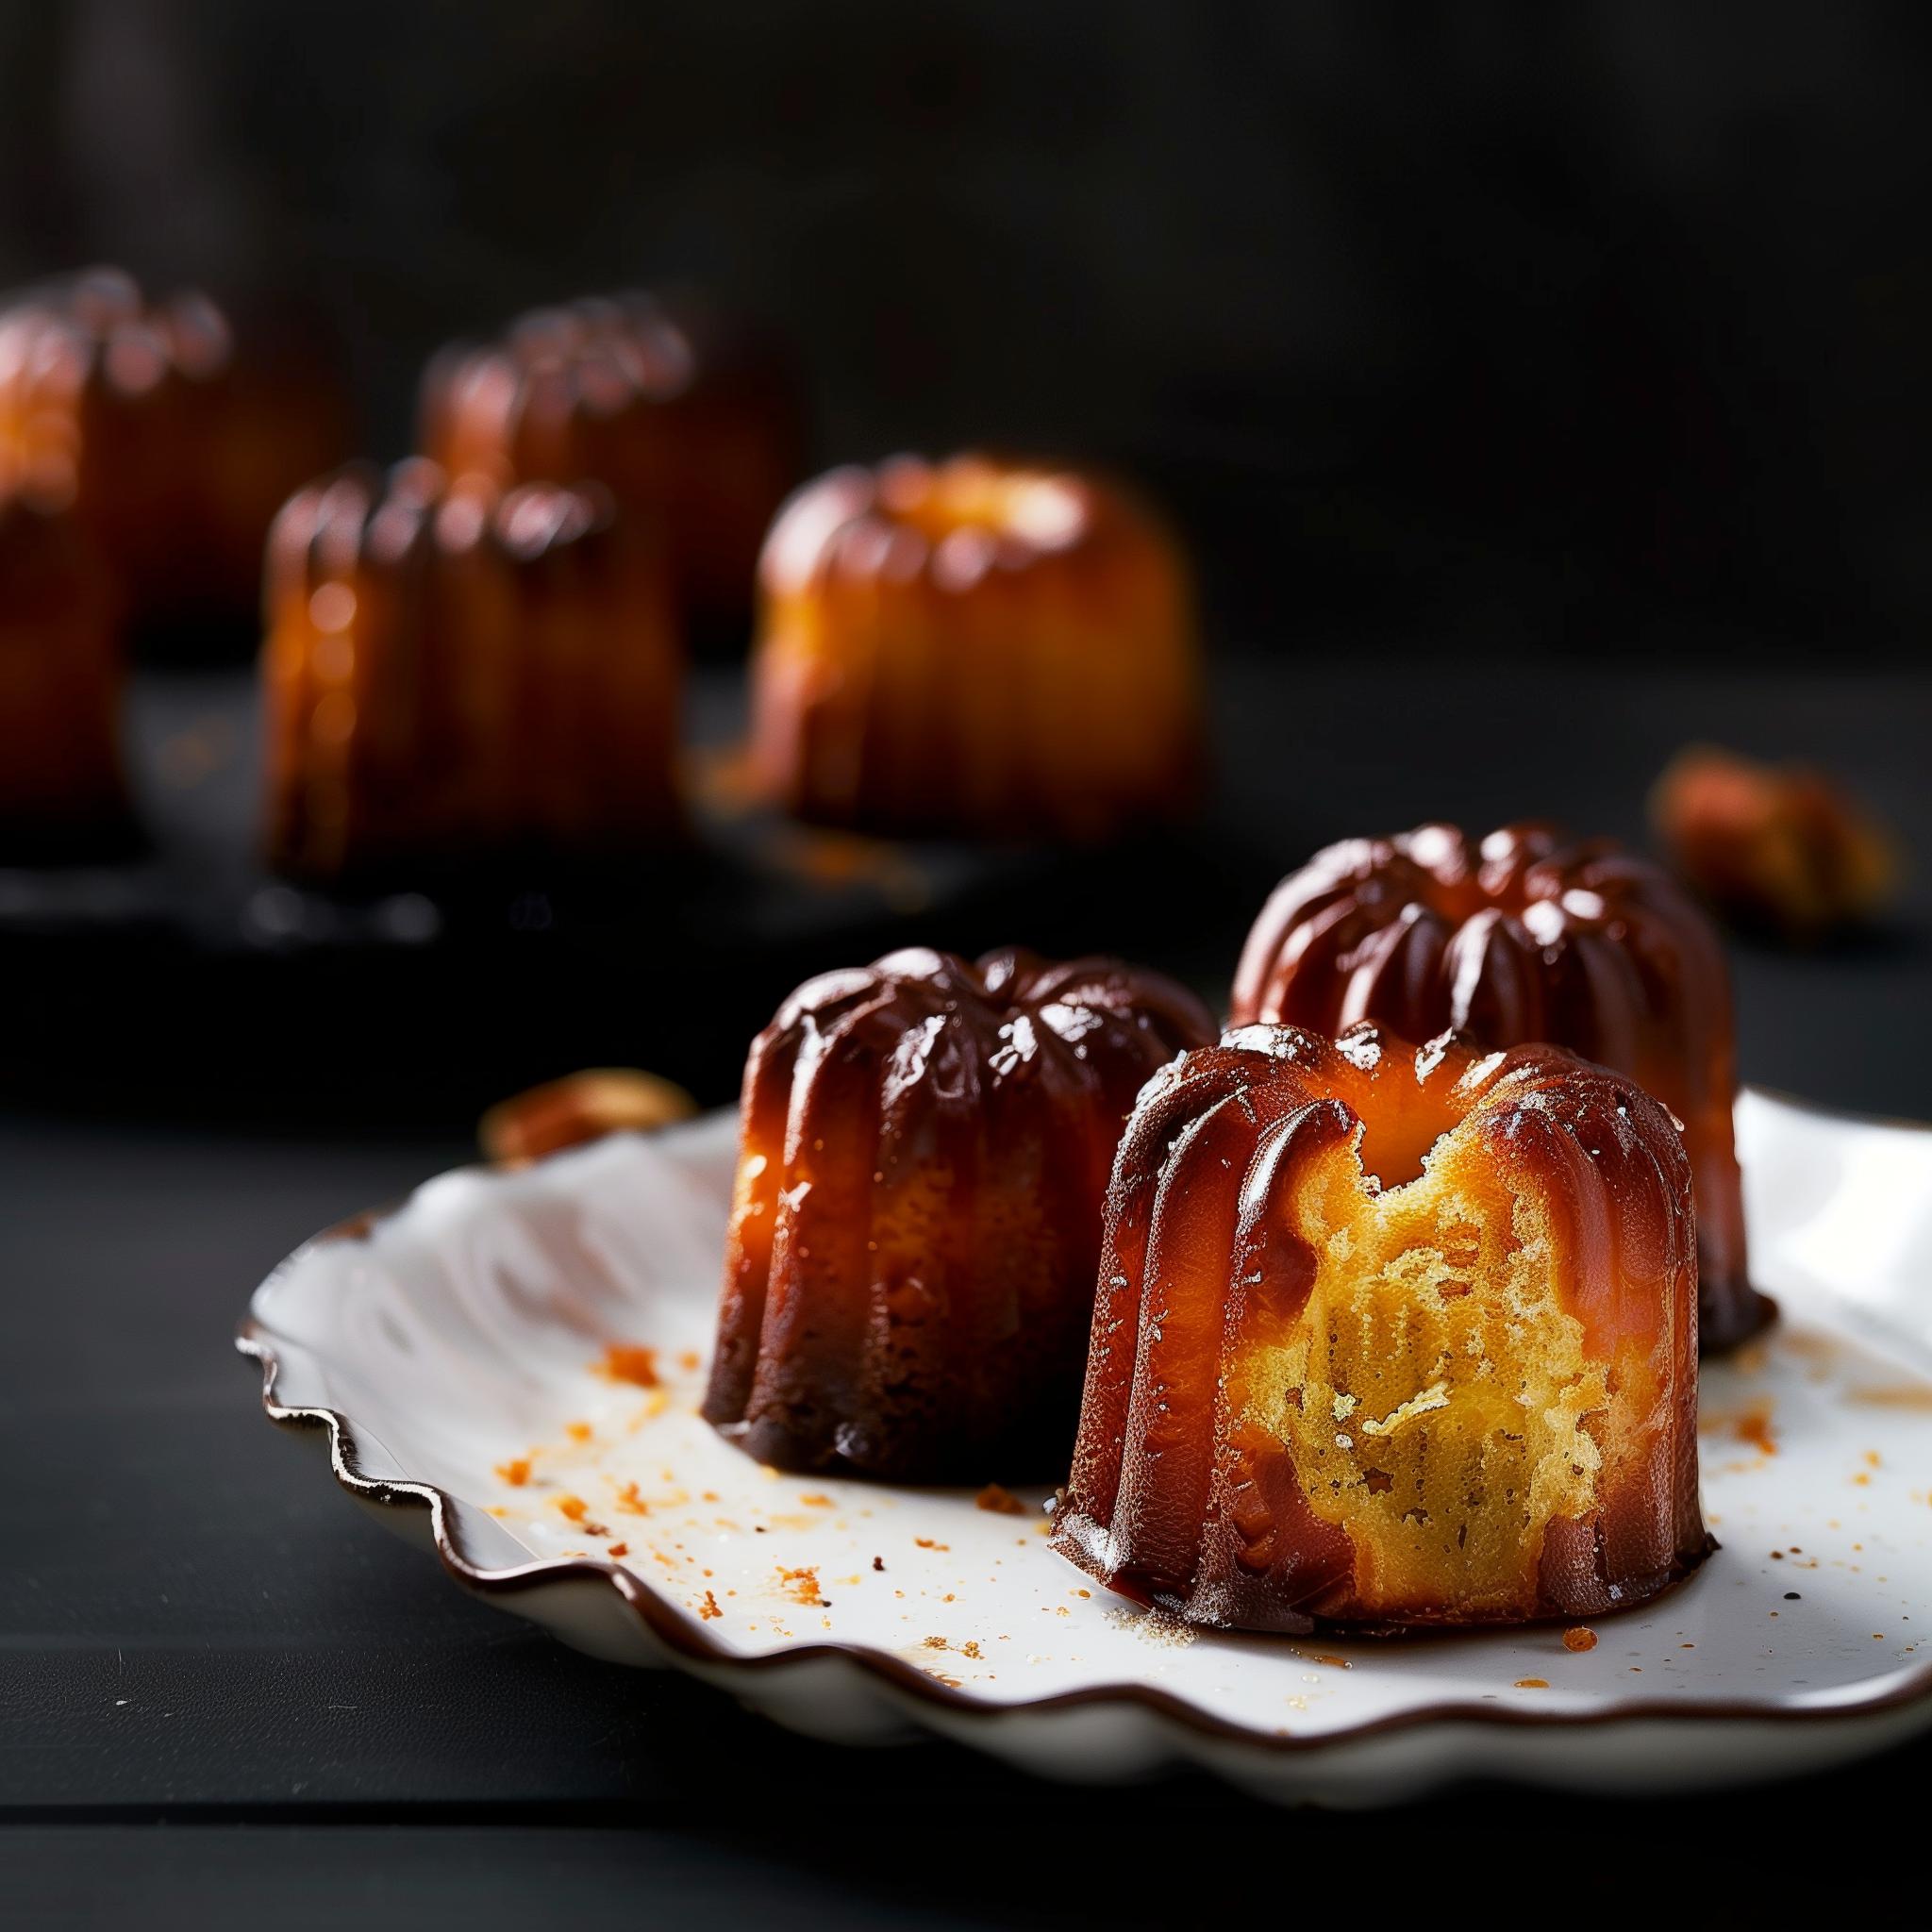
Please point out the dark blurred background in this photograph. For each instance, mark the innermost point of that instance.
(1543, 387)
(1565, 325)
(1540, 388)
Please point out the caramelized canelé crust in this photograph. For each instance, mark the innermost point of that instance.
(173, 451)
(59, 677)
(1388, 1336)
(450, 671)
(974, 648)
(1526, 936)
(926, 1144)
(690, 423)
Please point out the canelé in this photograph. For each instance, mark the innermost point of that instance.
(974, 648)
(451, 672)
(175, 449)
(60, 777)
(1391, 1337)
(924, 1147)
(1527, 935)
(692, 421)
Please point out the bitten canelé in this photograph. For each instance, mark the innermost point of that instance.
(1391, 1337)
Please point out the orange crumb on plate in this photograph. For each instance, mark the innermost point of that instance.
(1000, 1500)
(627, 1361)
(578, 1511)
(516, 1471)
(1579, 1638)
(802, 1585)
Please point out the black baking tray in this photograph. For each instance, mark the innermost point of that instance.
(180, 975)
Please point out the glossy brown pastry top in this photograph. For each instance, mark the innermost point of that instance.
(925, 1146)
(1525, 935)
(974, 648)
(172, 449)
(688, 420)
(452, 668)
(1388, 1336)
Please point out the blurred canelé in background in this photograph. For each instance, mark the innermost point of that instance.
(692, 419)
(975, 647)
(61, 788)
(454, 670)
(174, 438)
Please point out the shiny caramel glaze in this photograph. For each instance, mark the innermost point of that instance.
(60, 672)
(1391, 1337)
(690, 421)
(173, 451)
(974, 648)
(924, 1147)
(450, 670)
(1528, 935)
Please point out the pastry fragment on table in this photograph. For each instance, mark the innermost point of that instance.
(580, 1109)
(1784, 848)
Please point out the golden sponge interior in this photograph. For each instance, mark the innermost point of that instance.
(1435, 1395)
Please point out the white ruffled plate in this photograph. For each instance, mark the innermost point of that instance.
(452, 1355)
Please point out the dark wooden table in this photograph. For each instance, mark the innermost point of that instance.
(224, 1694)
